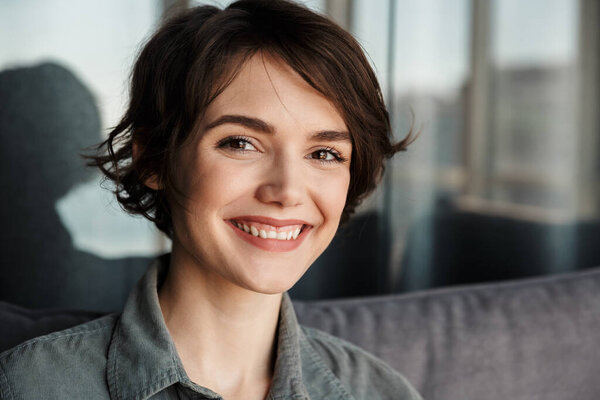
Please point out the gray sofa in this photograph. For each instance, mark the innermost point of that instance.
(522, 340)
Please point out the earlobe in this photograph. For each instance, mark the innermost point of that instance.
(151, 182)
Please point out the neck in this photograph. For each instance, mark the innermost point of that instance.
(224, 334)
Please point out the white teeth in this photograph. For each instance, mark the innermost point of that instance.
(268, 234)
(281, 236)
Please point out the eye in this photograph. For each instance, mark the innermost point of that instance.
(326, 155)
(236, 143)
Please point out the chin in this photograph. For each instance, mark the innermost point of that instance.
(271, 285)
(273, 290)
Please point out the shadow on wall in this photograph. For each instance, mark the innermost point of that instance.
(47, 118)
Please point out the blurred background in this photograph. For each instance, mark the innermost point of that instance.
(503, 182)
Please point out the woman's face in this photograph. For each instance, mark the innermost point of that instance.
(264, 182)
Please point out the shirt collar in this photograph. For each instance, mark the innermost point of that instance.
(300, 372)
(142, 359)
(287, 378)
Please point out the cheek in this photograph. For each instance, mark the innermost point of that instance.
(332, 194)
(213, 184)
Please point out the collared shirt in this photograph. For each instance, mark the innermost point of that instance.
(132, 356)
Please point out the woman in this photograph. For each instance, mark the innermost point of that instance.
(251, 132)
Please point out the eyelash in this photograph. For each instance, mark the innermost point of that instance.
(224, 143)
(338, 158)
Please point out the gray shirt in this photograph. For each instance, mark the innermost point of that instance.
(132, 356)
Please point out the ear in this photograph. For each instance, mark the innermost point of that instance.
(151, 182)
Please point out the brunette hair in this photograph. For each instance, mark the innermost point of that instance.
(194, 56)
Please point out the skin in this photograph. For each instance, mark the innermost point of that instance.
(222, 295)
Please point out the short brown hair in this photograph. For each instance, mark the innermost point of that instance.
(194, 56)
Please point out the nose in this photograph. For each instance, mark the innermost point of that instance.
(283, 183)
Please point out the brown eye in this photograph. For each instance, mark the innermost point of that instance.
(321, 155)
(236, 144)
(326, 155)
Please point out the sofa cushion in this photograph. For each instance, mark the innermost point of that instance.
(18, 324)
(522, 340)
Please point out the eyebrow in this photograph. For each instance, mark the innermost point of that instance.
(332, 136)
(262, 126)
(249, 122)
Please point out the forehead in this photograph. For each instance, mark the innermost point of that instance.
(267, 88)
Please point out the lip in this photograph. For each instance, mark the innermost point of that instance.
(270, 221)
(273, 245)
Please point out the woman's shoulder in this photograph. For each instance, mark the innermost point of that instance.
(363, 374)
(71, 361)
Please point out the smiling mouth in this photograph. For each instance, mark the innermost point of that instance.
(265, 231)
